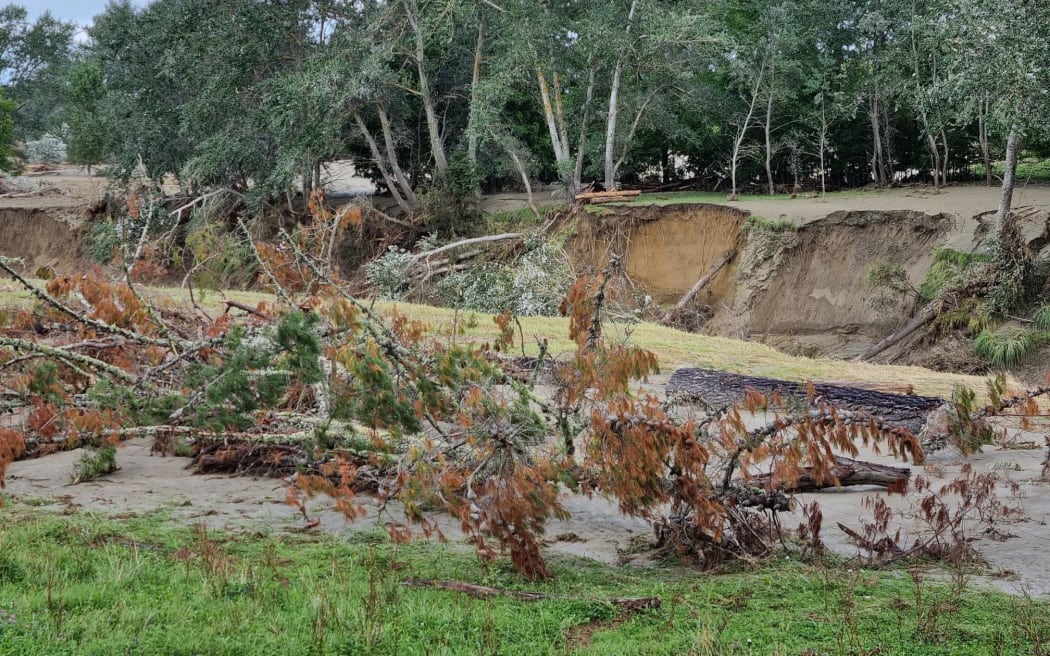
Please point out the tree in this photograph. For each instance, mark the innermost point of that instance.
(32, 59)
(85, 92)
(7, 134)
(996, 56)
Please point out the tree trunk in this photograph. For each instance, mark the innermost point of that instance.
(743, 130)
(878, 164)
(935, 155)
(1013, 144)
(437, 146)
(630, 133)
(524, 180)
(391, 153)
(381, 164)
(614, 98)
(926, 315)
(704, 281)
(849, 473)
(944, 160)
(768, 130)
(719, 389)
(823, 147)
(577, 172)
(561, 149)
(982, 138)
(472, 132)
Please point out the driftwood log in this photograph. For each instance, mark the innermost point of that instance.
(848, 472)
(606, 197)
(718, 389)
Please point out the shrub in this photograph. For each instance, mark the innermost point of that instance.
(1041, 317)
(388, 273)
(48, 149)
(951, 268)
(95, 462)
(758, 223)
(103, 240)
(532, 285)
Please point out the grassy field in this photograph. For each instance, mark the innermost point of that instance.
(673, 348)
(719, 197)
(1028, 169)
(75, 583)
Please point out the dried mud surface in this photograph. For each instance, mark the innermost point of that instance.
(148, 484)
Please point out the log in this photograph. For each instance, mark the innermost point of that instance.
(719, 389)
(926, 315)
(704, 281)
(849, 473)
(606, 196)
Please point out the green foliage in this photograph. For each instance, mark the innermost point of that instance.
(965, 431)
(757, 223)
(449, 210)
(220, 259)
(96, 461)
(531, 285)
(1004, 349)
(88, 133)
(7, 134)
(103, 240)
(387, 273)
(255, 372)
(892, 277)
(950, 269)
(1041, 317)
(970, 315)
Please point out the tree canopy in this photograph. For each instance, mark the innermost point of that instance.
(465, 95)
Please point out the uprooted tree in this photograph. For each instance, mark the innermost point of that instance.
(342, 400)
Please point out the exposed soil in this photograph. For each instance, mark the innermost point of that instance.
(666, 249)
(816, 280)
(49, 230)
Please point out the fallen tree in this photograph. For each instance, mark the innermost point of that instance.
(716, 390)
(846, 473)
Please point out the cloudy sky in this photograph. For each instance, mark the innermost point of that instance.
(79, 11)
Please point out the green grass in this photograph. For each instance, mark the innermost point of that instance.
(80, 584)
(1028, 168)
(719, 197)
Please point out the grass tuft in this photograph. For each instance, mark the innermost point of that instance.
(1007, 348)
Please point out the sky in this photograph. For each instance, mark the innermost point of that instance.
(78, 11)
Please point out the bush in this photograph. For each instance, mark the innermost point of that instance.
(951, 268)
(103, 240)
(95, 462)
(387, 274)
(532, 285)
(760, 224)
(48, 149)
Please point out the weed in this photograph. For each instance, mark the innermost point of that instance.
(96, 461)
(756, 223)
(1041, 318)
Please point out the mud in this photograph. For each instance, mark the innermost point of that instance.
(147, 484)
